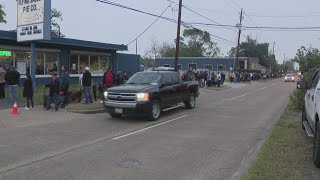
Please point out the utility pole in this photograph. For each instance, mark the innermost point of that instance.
(178, 37)
(137, 46)
(274, 43)
(239, 35)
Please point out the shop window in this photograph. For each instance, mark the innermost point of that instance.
(104, 64)
(208, 67)
(95, 65)
(74, 64)
(192, 66)
(6, 59)
(51, 63)
(40, 64)
(83, 63)
(22, 62)
(221, 68)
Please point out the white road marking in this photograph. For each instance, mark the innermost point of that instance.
(262, 88)
(239, 97)
(150, 127)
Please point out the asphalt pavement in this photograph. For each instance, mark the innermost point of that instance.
(217, 140)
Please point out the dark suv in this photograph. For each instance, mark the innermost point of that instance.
(150, 93)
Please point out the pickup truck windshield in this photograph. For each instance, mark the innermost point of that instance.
(145, 78)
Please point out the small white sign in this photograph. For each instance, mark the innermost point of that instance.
(30, 32)
(22, 67)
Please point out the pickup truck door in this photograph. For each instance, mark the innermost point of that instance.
(167, 91)
(179, 88)
(312, 99)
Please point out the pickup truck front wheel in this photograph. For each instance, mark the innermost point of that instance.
(316, 146)
(155, 111)
(191, 103)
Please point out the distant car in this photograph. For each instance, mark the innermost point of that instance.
(289, 78)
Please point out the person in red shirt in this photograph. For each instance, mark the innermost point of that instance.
(108, 78)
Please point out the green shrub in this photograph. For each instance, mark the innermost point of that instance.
(297, 99)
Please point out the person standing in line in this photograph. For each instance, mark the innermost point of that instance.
(64, 81)
(223, 78)
(86, 82)
(2, 83)
(54, 92)
(209, 79)
(12, 79)
(28, 92)
(218, 79)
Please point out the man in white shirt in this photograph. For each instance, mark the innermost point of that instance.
(219, 79)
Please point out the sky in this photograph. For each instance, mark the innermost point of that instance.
(95, 21)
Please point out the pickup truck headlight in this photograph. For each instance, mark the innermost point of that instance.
(142, 97)
(105, 94)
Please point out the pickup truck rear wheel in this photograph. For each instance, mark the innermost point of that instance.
(191, 103)
(155, 111)
(316, 146)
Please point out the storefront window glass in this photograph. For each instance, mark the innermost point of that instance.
(40, 63)
(95, 65)
(22, 62)
(6, 59)
(51, 63)
(74, 64)
(104, 63)
(83, 63)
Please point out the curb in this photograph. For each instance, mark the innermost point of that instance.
(96, 111)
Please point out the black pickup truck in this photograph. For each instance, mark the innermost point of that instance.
(150, 93)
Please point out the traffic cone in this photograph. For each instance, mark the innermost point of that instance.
(15, 108)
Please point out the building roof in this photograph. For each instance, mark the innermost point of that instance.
(11, 35)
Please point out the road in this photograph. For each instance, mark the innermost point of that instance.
(217, 140)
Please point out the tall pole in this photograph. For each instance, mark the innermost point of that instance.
(137, 46)
(178, 37)
(239, 35)
(274, 43)
(33, 64)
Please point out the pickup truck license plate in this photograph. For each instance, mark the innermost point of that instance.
(118, 110)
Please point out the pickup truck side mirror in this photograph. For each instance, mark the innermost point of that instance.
(302, 85)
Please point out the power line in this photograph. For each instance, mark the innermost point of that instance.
(136, 10)
(149, 25)
(154, 15)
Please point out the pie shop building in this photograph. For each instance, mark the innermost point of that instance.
(72, 53)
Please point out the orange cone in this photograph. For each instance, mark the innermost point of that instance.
(15, 108)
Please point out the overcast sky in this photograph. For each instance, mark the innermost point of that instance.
(95, 21)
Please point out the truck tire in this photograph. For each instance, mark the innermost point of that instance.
(115, 115)
(316, 146)
(191, 103)
(303, 118)
(155, 112)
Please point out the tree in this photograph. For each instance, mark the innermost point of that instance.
(194, 43)
(56, 18)
(307, 58)
(198, 43)
(2, 14)
(252, 48)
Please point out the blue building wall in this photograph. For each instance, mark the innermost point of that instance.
(200, 61)
(127, 62)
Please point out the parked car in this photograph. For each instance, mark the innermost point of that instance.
(311, 114)
(149, 93)
(289, 78)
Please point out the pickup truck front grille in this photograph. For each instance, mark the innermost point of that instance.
(121, 97)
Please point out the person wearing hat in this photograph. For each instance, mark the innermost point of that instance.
(86, 82)
(54, 92)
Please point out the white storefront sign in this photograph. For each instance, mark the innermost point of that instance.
(33, 20)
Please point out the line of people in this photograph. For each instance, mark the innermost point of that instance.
(208, 78)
